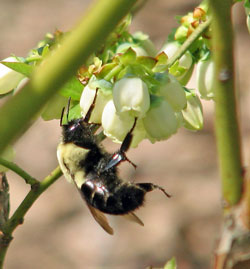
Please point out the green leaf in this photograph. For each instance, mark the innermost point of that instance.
(73, 88)
(171, 264)
(171, 36)
(128, 57)
(247, 3)
(102, 84)
(177, 70)
(19, 67)
(148, 62)
(106, 69)
(75, 112)
(124, 72)
(161, 64)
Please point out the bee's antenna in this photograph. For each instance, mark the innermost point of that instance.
(68, 109)
(91, 108)
(61, 119)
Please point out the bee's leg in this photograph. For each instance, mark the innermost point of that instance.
(150, 187)
(120, 155)
(127, 140)
(91, 108)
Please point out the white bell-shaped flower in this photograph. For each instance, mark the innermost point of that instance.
(160, 121)
(192, 114)
(171, 48)
(87, 99)
(116, 126)
(131, 95)
(205, 78)
(174, 93)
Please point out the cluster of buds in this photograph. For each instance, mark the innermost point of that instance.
(191, 21)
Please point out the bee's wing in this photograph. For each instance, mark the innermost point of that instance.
(101, 219)
(132, 217)
(97, 214)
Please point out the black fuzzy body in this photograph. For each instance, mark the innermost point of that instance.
(102, 188)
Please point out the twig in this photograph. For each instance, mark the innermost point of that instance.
(189, 41)
(18, 216)
(18, 170)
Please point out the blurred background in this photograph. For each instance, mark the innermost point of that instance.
(58, 231)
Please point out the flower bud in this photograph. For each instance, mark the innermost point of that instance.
(174, 93)
(87, 99)
(131, 95)
(9, 78)
(199, 13)
(181, 33)
(205, 78)
(192, 114)
(160, 121)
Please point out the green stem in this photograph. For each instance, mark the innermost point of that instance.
(60, 65)
(189, 41)
(19, 171)
(18, 216)
(113, 72)
(226, 114)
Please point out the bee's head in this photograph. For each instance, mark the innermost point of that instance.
(77, 131)
(73, 130)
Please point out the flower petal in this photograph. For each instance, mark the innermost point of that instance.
(160, 121)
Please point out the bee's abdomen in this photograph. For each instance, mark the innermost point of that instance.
(123, 199)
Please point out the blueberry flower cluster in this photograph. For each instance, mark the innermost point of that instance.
(135, 86)
(133, 82)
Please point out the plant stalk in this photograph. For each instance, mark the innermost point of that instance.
(189, 41)
(19, 171)
(18, 216)
(226, 113)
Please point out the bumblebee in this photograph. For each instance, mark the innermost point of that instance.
(94, 171)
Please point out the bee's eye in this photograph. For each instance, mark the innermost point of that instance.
(72, 127)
